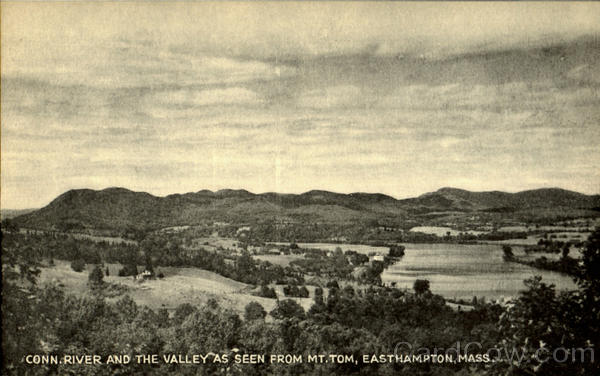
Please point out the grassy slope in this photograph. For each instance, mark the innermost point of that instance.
(181, 285)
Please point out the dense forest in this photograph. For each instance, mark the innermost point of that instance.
(376, 320)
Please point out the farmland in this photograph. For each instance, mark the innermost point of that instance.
(180, 285)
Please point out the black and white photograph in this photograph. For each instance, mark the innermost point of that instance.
(300, 188)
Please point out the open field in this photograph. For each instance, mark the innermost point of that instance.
(282, 260)
(214, 243)
(534, 239)
(180, 285)
(442, 231)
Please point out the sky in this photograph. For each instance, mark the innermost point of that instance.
(396, 98)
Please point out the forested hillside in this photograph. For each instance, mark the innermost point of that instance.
(119, 209)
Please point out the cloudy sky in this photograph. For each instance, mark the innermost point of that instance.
(398, 98)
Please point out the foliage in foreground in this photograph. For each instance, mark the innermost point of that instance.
(44, 319)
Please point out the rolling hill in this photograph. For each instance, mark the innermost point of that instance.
(119, 208)
(545, 198)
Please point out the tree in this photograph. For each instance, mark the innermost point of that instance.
(128, 269)
(295, 291)
(107, 272)
(396, 251)
(209, 329)
(589, 284)
(533, 322)
(290, 290)
(373, 272)
(541, 319)
(348, 291)
(288, 308)
(421, 286)
(8, 225)
(78, 265)
(23, 330)
(182, 311)
(303, 292)
(96, 277)
(149, 267)
(267, 292)
(508, 253)
(126, 308)
(245, 267)
(319, 296)
(254, 311)
(359, 259)
(332, 285)
(162, 317)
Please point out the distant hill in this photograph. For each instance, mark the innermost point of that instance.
(119, 208)
(11, 213)
(545, 198)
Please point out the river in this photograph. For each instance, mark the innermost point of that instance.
(465, 270)
(458, 270)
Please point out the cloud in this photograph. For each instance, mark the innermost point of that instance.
(130, 64)
(332, 97)
(586, 73)
(512, 97)
(267, 29)
(190, 98)
(291, 97)
(198, 104)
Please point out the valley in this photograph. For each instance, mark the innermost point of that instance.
(337, 263)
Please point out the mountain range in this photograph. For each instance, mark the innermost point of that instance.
(118, 208)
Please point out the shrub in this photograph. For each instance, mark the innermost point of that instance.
(127, 270)
(396, 251)
(254, 311)
(508, 253)
(348, 291)
(295, 291)
(290, 290)
(267, 292)
(78, 265)
(96, 277)
(288, 309)
(421, 286)
(333, 285)
(303, 292)
(182, 312)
